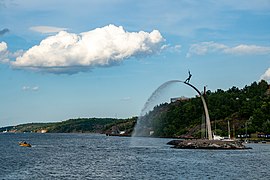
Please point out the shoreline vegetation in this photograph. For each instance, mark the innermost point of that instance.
(245, 111)
(78, 125)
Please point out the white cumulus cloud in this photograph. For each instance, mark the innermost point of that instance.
(70, 53)
(266, 75)
(3, 46)
(211, 47)
(47, 29)
(4, 53)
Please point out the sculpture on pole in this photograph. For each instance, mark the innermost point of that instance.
(207, 118)
(189, 77)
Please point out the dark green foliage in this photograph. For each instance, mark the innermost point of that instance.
(79, 125)
(8, 128)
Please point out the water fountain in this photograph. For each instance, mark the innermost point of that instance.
(141, 124)
(208, 143)
(155, 94)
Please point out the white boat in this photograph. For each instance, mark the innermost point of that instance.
(216, 137)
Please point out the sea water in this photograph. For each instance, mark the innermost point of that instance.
(94, 156)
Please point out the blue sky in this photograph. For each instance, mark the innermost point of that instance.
(67, 59)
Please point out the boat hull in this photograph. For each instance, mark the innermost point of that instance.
(25, 144)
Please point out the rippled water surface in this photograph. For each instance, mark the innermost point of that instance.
(92, 156)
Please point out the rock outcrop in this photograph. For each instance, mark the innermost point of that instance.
(207, 144)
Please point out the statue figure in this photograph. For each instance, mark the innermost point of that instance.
(189, 77)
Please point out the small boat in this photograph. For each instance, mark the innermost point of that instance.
(24, 144)
(216, 137)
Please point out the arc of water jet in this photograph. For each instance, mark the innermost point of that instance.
(155, 93)
(207, 118)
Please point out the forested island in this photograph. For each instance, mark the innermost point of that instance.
(246, 110)
(78, 125)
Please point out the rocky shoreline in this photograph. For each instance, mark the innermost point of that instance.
(207, 144)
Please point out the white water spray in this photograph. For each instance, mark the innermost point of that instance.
(149, 105)
(140, 127)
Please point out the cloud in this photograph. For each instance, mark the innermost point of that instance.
(177, 47)
(266, 75)
(248, 49)
(35, 88)
(4, 53)
(212, 47)
(47, 29)
(204, 48)
(4, 31)
(172, 48)
(3, 46)
(70, 53)
(29, 88)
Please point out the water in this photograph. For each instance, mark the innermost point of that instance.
(156, 98)
(92, 156)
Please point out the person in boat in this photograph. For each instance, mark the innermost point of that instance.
(25, 144)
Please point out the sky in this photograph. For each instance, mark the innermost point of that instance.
(104, 58)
